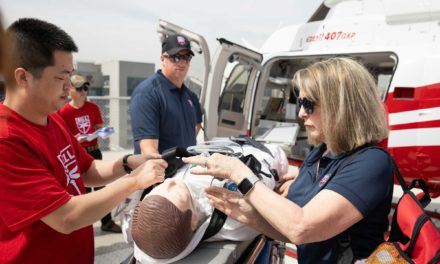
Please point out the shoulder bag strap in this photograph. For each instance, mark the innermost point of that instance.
(426, 198)
(345, 251)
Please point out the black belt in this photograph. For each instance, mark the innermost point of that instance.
(91, 148)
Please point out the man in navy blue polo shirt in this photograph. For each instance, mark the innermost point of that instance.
(164, 112)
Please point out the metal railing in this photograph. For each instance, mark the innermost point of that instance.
(115, 113)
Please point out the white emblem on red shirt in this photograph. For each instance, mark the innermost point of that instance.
(68, 160)
(83, 124)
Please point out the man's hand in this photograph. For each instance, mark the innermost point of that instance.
(150, 172)
(151, 156)
(137, 160)
(80, 138)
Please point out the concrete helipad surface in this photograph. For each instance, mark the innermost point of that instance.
(110, 247)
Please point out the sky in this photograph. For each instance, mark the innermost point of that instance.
(109, 30)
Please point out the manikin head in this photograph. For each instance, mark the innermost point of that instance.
(164, 222)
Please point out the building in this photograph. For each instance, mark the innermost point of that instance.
(111, 85)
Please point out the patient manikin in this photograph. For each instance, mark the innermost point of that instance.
(169, 223)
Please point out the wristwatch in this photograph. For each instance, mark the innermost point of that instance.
(127, 168)
(247, 184)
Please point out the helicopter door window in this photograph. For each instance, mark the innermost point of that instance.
(234, 92)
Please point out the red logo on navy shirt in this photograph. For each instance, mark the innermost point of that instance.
(181, 40)
(324, 180)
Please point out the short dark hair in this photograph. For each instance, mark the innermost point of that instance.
(159, 228)
(32, 43)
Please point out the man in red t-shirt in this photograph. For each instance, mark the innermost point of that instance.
(83, 117)
(45, 214)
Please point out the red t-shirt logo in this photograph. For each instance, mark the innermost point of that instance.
(83, 124)
(68, 160)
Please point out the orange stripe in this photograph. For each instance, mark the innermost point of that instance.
(291, 254)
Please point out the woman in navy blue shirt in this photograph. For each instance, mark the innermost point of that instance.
(342, 112)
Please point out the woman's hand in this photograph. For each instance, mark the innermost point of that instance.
(283, 188)
(286, 181)
(291, 175)
(220, 166)
(232, 204)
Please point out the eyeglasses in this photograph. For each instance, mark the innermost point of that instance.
(307, 104)
(82, 88)
(177, 57)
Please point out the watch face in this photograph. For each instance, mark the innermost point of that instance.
(244, 186)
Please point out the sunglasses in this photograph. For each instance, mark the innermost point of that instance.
(307, 104)
(82, 88)
(177, 57)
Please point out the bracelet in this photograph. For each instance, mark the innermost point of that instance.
(127, 169)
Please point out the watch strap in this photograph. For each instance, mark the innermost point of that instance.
(127, 168)
(247, 184)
